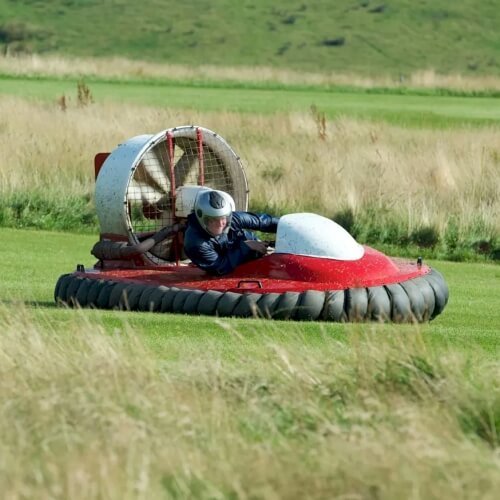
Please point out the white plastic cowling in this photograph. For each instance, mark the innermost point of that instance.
(316, 236)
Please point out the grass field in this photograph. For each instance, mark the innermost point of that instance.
(405, 110)
(362, 36)
(473, 317)
(393, 131)
(130, 405)
(104, 404)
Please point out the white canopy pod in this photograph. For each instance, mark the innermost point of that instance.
(316, 236)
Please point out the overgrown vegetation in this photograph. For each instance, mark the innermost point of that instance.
(415, 192)
(425, 82)
(38, 210)
(88, 415)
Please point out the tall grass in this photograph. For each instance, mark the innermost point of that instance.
(384, 183)
(123, 69)
(90, 415)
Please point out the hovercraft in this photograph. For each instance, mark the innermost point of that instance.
(146, 188)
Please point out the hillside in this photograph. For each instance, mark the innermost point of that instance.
(367, 37)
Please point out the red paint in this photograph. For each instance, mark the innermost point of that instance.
(276, 273)
(171, 156)
(99, 159)
(199, 141)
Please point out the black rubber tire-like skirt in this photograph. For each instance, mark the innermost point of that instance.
(416, 300)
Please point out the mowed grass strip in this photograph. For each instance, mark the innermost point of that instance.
(406, 110)
(32, 261)
(122, 405)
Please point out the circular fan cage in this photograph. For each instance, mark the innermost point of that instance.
(139, 186)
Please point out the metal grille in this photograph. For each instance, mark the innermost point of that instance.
(149, 198)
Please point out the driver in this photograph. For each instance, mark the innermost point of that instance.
(218, 239)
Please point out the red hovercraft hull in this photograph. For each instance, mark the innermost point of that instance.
(278, 286)
(275, 273)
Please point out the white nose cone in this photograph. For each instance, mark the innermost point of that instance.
(316, 236)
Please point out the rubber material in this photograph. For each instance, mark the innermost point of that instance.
(418, 300)
(227, 303)
(94, 290)
(168, 299)
(401, 308)
(123, 303)
(102, 301)
(156, 298)
(61, 287)
(247, 306)
(144, 301)
(83, 291)
(379, 304)
(440, 289)
(356, 304)
(191, 303)
(309, 306)
(428, 296)
(73, 289)
(267, 304)
(334, 307)
(179, 300)
(286, 305)
(208, 303)
(116, 297)
(134, 296)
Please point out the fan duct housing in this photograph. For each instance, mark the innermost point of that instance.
(135, 195)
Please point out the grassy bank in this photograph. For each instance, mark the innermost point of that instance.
(363, 37)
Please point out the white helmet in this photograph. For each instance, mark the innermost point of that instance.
(213, 203)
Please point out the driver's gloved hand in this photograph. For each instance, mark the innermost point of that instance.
(257, 246)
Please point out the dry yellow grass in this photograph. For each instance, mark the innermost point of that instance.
(421, 176)
(90, 415)
(427, 175)
(124, 68)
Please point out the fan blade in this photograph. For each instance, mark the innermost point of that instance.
(186, 167)
(186, 170)
(152, 170)
(143, 192)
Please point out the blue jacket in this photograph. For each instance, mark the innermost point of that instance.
(221, 254)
